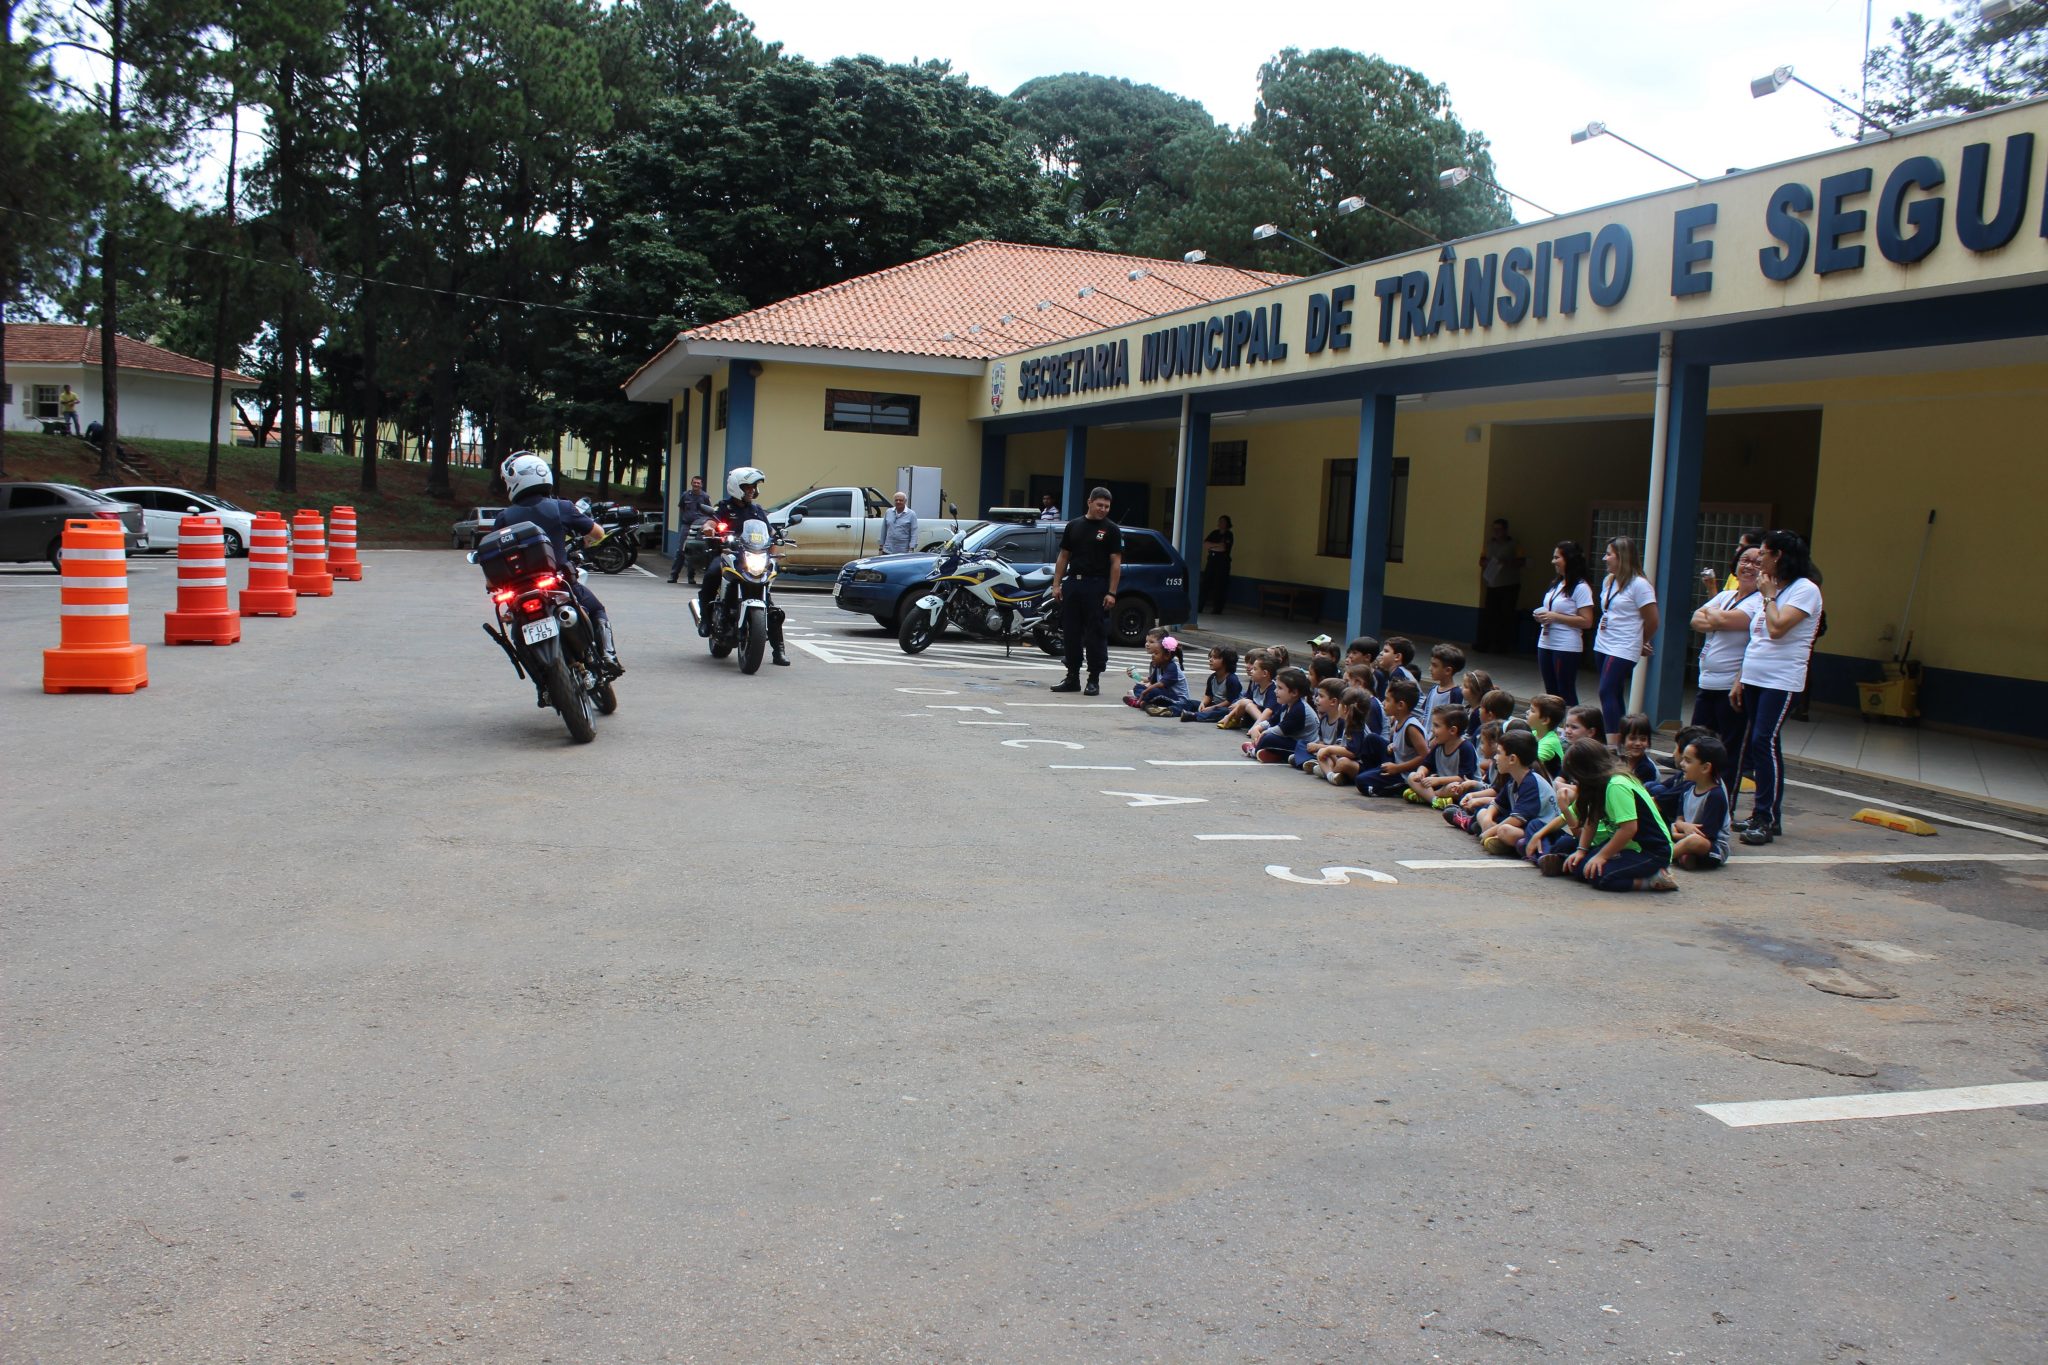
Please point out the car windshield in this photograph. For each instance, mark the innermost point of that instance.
(211, 501)
(981, 536)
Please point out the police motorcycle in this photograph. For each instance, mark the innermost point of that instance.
(547, 634)
(744, 562)
(620, 549)
(982, 593)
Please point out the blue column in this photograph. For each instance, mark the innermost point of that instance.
(678, 473)
(703, 401)
(1074, 486)
(1193, 475)
(1373, 493)
(995, 451)
(739, 415)
(1678, 541)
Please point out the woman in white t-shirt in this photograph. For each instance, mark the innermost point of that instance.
(1774, 671)
(1562, 618)
(1628, 623)
(1725, 621)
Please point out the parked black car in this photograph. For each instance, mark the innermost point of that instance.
(32, 517)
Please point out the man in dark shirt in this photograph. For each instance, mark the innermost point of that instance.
(692, 509)
(1084, 580)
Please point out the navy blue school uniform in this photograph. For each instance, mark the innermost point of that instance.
(1215, 699)
(1709, 810)
(1410, 741)
(1293, 724)
(1645, 771)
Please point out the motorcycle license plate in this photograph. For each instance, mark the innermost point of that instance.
(542, 630)
(930, 602)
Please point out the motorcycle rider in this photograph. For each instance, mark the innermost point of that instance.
(742, 504)
(530, 483)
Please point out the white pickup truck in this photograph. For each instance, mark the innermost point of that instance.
(842, 524)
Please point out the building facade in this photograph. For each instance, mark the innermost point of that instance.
(163, 394)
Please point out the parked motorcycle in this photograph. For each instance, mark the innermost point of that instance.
(620, 549)
(982, 593)
(744, 561)
(541, 627)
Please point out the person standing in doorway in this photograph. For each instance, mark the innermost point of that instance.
(1627, 631)
(1048, 510)
(1500, 577)
(1563, 618)
(899, 527)
(1216, 548)
(695, 505)
(1084, 580)
(67, 408)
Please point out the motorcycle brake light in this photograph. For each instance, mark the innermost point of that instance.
(532, 606)
(503, 595)
(546, 580)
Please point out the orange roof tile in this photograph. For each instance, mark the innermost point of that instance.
(45, 343)
(908, 308)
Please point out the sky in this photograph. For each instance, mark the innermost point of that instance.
(1673, 78)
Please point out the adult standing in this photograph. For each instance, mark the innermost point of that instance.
(1216, 548)
(1628, 629)
(1563, 618)
(691, 510)
(899, 526)
(1774, 671)
(1048, 510)
(1500, 579)
(1084, 580)
(67, 407)
(1725, 620)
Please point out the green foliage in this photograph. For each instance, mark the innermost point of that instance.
(1932, 67)
(1103, 137)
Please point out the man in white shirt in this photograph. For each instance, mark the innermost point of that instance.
(1048, 510)
(899, 527)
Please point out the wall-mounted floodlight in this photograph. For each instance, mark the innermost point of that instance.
(1458, 175)
(1266, 230)
(1198, 256)
(1354, 203)
(1006, 319)
(1141, 273)
(1089, 291)
(1046, 305)
(1599, 129)
(1782, 77)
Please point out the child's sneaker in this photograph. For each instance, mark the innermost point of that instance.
(1492, 845)
(1458, 817)
(1441, 803)
(1312, 768)
(1412, 796)
(1551, 864)
(1336, 778)
(1663, 881)
(1159, 708)
(1246, 748)
(1132, 701)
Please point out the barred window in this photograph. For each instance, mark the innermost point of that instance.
(885, 414)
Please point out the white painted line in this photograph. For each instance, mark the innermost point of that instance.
(1252, 838)
(1767, 860)
(1203, 763)
(1153, 799)
(929, 691)
(638, 570)
(1899, 1104)
(1331, 876)
(1073, 705)
(1091, 767)
(1445, 864)
(1061, 743)
(984, 710)
(1018, 723)
(1917, 810)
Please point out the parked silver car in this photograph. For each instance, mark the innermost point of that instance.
(163, 507)
(32, 517)
(475, 526)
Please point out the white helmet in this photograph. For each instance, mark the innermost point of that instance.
(740, 478)
(523, 470)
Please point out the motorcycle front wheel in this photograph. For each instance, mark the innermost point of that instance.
(1048, 638)
(753, 641)
(571, 700)
(916, 632)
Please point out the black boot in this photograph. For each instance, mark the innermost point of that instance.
(776, 656)
(1094, 687)
(1071, 683)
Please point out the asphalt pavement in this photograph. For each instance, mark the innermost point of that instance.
(893, 1009)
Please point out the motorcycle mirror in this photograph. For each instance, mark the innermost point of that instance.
(471, 556)
(796, 515)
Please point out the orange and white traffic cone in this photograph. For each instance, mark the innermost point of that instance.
(96, 654)
(203, 616)
(341, 546)
(309, 555)
(270, 555)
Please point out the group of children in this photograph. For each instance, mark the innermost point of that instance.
(1542, 785)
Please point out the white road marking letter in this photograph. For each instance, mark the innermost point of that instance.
(1331, 876)
(1061, 743)
(1150, 799)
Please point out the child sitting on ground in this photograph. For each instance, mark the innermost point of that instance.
(1323, 647)
(1452, 759)
(1473, 685)
(1165, 689)
(1670, 787)
(1328, 736)
(1546, 713)
(1396, 660)
(1471, 797)
(1494, 704)
(1703, 829)
(1363, 650)
(1390, 758)
(1257, 702)
(1623, 843)
(1341, 762)
(1321, 668)
(1222, 689)
(1582, 722)
(1361, 676)
(1636, 734)
(1445, 662)
(1293, 721)
(1526, 801)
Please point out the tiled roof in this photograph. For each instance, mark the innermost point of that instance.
(44, 343)
(908, 308)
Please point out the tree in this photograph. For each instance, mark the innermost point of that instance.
(1932, 67)
(1103, 137)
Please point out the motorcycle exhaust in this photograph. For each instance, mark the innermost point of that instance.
(696, 613)
(567, 616)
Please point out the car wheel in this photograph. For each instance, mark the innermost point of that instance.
(887, 623)
(231, 544)
(55, 554)
(1128, 622)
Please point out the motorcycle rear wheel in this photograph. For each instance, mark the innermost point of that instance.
(1048, 639)
(607, 699)
(571, 701)
(609, 555)
(916, 632)
(753, 641)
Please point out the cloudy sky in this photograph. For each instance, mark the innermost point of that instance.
(1674, 78)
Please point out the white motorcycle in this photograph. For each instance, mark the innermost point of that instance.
(983, 594)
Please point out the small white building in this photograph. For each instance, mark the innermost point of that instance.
(163, 394)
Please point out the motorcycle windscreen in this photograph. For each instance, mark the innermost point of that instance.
(755, 535)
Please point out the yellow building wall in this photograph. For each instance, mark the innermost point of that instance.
(792, 446)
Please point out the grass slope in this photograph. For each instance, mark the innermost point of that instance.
(399, 513)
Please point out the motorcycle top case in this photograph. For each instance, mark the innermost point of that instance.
(518, 551)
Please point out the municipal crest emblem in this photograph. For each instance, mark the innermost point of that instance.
(997, 381)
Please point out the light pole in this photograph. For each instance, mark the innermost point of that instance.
(1046, 304)
(1199, 257)
(1265, 230)
(1353, 203)
(1089, 291)
(1006, 319)
(1598, 129)
(1782, 77)
(1458, 175)
(1143, 274)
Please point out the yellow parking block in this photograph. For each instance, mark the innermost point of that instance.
(1904, 824)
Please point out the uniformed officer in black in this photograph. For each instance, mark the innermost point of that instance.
(1084, 580)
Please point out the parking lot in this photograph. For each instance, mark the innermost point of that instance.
(883, 1008)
